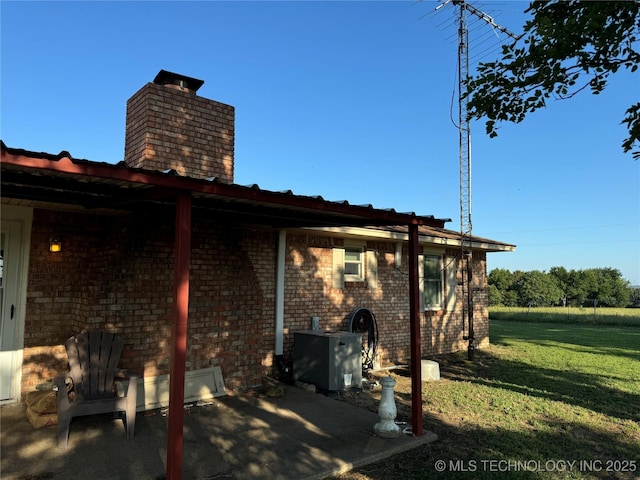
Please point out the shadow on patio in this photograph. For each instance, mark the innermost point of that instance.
(299, 436)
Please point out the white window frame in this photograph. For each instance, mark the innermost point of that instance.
(368, 266)
(448, 281)
(435, 281)
(355, 277)
(424, 305)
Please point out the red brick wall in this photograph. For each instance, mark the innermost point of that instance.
(116, 273)
(443, 331)
(232, 301)
(170, 129)
(309, 292)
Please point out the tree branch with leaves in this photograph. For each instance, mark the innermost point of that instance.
(567, 47)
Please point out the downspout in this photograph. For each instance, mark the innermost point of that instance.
(280, 263)
(179, 336)
(414, 321)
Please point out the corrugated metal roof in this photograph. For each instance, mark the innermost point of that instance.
(452, 238)
(59, 181)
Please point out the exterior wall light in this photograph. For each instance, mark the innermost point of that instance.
(55, 244)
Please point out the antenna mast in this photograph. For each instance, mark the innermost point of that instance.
(464, 129)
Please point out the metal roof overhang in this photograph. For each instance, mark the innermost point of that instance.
(60, 182)
(431, 236)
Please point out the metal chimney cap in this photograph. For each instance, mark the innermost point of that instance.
(169, 78)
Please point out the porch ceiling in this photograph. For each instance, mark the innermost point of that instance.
(61, 182)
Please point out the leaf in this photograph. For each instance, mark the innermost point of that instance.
(565, 43)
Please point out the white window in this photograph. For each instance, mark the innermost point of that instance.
(355, 263)
(437, 281)
(433, 282)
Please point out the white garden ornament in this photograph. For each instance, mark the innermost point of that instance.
(387, 411)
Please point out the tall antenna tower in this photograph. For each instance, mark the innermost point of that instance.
(464, 129)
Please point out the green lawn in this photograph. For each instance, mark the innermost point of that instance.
(545, 395)
(544, 401)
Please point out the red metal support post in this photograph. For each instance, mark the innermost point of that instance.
(414, 319)
(179, 336)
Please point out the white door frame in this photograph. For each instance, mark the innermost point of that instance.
(18, 221)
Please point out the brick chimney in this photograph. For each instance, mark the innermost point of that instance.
(170, 127)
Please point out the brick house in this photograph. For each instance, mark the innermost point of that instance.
(260, 264)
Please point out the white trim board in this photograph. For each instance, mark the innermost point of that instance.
(203, 384)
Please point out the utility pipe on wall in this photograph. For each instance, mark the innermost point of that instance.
(280, 264)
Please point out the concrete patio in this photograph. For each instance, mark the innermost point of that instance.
(302, 435)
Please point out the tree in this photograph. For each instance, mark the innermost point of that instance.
(563, 280)
(501, 278)
(495, 296)
(634, 297)
(586, 287)
(537, 288)
(582, 288)
(567, 46)
(501, 282)
(611, 289)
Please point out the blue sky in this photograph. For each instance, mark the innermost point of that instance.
(348, 100)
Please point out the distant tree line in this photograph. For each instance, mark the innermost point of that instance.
(602, 287)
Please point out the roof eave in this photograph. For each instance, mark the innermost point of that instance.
(483, 244)
(343, 212)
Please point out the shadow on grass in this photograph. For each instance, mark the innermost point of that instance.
(525, 420)
(578, 389)
(602, 340)
(533, 446)
(573, 388)
(493, 453)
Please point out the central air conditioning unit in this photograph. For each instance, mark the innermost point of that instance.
(329, 360)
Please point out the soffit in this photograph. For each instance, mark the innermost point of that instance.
(433, 236)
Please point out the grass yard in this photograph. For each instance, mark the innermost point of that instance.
(545, 401)
(581, 315)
